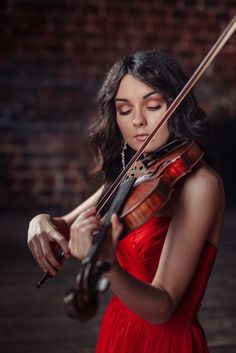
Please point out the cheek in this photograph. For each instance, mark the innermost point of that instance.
(164, 130)
(122, 126)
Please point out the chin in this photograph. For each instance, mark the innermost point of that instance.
(150, 148)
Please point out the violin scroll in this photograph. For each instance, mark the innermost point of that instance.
(82, 302)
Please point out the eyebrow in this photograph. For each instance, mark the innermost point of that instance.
(144, 97)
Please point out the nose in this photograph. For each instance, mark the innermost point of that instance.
(139, 120)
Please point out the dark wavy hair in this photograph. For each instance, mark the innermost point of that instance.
(161, 72)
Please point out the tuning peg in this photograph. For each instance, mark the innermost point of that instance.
(103, 285)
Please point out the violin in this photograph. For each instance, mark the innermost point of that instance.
(139, 198)
(141, 190)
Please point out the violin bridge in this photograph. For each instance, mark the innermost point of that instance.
(136, 170)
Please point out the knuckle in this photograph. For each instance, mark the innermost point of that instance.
(40, 258)
(39, 235)
(43, 267)
(47, 253)
(52, 234)
(57, 266)
(75, 227)
(62, 240)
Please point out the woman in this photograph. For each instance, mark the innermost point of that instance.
(160, 270)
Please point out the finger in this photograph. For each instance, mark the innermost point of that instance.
(91, 219)
(117, 228)
(33, 251)
(50, 256)
(82, 236)
(62, 242)
(89, 212)
(90, 230)
(86, 227)
(41, 259)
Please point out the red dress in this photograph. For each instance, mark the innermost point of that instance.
(122, 331)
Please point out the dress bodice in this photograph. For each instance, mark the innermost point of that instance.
(139, 254)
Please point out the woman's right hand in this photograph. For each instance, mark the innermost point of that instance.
(47, 237)
(84, 231)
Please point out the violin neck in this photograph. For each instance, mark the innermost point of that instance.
(116, 206)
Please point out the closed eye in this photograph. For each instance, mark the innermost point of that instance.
(124, 112)
(156, 107)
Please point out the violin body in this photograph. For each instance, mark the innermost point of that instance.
(152, 193)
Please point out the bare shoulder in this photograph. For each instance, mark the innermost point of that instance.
(200, 189)
(201, 199)
(203, 183)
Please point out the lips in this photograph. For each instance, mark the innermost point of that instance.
(141, 137)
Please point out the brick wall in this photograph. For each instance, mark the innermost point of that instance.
(54, 54)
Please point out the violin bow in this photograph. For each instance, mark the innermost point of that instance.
(221, 41)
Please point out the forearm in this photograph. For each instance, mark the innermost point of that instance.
(151, 303)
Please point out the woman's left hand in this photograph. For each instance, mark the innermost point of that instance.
(108, 253)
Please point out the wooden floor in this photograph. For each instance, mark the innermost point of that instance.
(35, 321)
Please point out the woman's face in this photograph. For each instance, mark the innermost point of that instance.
(139, 108)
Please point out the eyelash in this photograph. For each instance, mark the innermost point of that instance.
(149, 108)
(125, 113)
(154, 108)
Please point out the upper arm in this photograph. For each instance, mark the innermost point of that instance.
(198, 214)
(91, 201)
